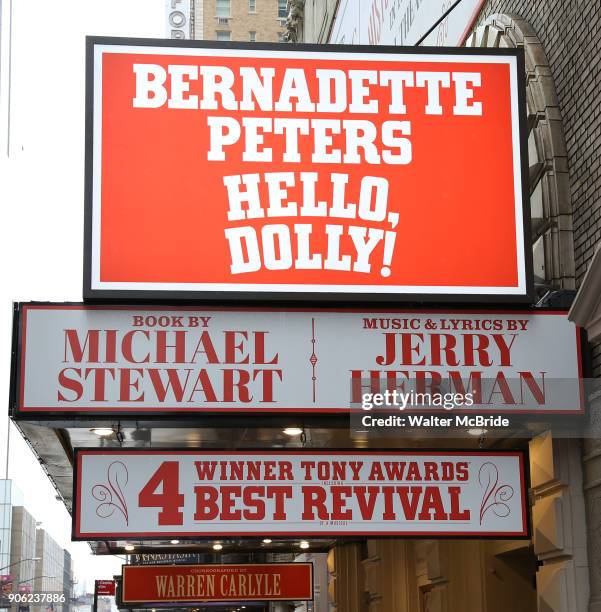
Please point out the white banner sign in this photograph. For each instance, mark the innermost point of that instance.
(178, 19)
(105, 360)
(403, 22)
(148, 494)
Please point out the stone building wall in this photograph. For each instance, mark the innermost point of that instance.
(569, 32)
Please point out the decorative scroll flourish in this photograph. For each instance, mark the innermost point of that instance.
(110, 495)
(313, 360)
(495, 496)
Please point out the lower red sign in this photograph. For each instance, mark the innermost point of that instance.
(199, 583)
(105, 587)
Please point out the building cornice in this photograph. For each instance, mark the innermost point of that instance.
(586, 309)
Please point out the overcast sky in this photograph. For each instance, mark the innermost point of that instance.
(41, 197)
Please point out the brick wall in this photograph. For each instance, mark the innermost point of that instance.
(263, 21)
(570, 31)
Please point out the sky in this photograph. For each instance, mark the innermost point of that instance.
(41, 198)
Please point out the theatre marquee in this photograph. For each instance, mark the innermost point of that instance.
(160, 494)
(75, 359)
(305, 172)
(166, 584)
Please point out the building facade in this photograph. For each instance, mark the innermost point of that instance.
(8, 496)
(310, 21)
(239, 20)
(22, 549)
(17, 539)
(68, 579)
(31, 560)
(49, 565)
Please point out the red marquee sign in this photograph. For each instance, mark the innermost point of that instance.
(204, 583)
(280, 171)
(105, 587)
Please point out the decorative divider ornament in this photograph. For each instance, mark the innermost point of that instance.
(496, 495)
(110, 495)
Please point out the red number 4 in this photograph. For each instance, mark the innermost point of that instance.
(170, 499)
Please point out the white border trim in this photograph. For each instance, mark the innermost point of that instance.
(95, 282)
(96, 168)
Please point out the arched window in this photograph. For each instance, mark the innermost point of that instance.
(551, 209)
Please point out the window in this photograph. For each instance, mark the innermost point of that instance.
(252, 36)
(223, 8)
(223, 35)
(281, 37)
(252, 6)
(282, 12)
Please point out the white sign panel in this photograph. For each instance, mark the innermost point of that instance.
(178, 19)
(149, 494)
(403, 22)
(127, 359)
